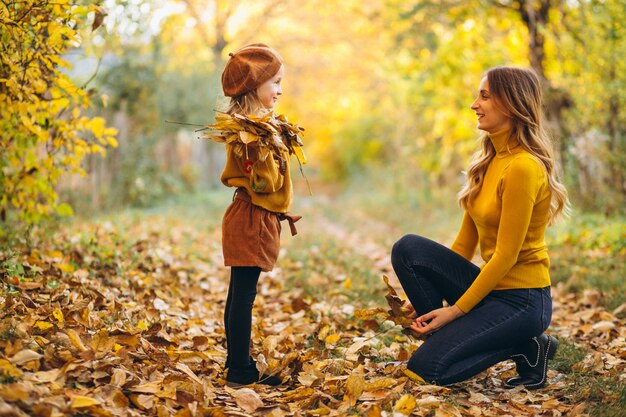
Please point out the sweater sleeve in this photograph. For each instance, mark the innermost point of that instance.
(521, 183)
(467, 238)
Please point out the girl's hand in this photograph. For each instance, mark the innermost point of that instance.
(435, 320)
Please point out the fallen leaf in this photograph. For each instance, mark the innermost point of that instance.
(79, 401)
(405, 405)
(246, 398)
(24, 356)
(355, 384)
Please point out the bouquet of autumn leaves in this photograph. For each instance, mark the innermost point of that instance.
(261, 132)
(399, 311)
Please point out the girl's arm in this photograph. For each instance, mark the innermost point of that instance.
(266, 176)
(521, 184)
(467, 238)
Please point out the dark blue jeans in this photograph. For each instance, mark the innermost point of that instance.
(500, 326)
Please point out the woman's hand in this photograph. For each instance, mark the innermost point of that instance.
(435, 320)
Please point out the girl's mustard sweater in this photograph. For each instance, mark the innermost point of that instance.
(508, 218)
(266, 181)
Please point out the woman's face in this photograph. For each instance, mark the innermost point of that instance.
(490, 118)
(270, 90)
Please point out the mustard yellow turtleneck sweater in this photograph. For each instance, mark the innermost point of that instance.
(508, 218)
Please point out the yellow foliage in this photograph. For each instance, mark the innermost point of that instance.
(42, 132)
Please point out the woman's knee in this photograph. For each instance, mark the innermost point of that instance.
(407, 245)
(423, 367)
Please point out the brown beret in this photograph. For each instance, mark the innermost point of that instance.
(248, 68)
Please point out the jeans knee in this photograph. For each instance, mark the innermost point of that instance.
(422, 367)
(402, 248)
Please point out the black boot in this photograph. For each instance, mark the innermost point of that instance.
(227, 364)
(532, 366)
(239, 377)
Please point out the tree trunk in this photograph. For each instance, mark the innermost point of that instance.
(535, 14)
(613, 127)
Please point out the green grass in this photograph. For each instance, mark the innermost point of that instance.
(604, 394)
(567, 356)
(321, 266)
(589, 251)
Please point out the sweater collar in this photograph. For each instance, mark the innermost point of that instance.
(502, 142)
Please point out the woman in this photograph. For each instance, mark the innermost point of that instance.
(501, 310)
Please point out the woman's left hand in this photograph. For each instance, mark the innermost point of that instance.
(435, 320)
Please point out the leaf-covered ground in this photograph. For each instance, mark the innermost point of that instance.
(122, 316)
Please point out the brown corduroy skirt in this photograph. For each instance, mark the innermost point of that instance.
(250, 234)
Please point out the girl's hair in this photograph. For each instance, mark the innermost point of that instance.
(517, 93)
(244, 104)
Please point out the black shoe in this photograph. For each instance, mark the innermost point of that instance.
(533, 373)
(237, 378)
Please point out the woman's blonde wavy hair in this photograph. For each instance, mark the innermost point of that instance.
(517, 93)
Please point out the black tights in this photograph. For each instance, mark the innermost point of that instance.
(238, 314)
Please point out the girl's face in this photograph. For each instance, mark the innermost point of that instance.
(270, 90)
(490, 118)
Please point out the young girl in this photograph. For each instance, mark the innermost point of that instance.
(501, 310)
(258, 146)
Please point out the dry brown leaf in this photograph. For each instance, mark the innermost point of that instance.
(24, 356)
(142, 401)
(246, 398)
(75, 339)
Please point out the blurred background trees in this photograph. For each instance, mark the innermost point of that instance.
(383, 88)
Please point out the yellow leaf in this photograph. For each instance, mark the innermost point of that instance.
(40, 341)
(43, 325)
(355, 384)
(96, 125)
(75, 339)
(65, 267)
(414, 377)
(142, 325)
(324, 332)
(7, 369)
(347, 283)
(79, 401)
(247, 137)
(299, 152)
(406, 404)
(55, 254)
(381, 383)
(58, 314)
(331, 339)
